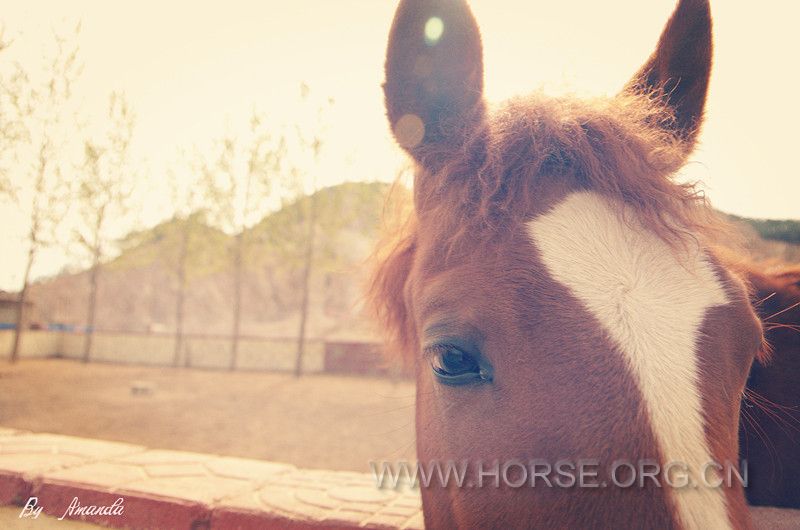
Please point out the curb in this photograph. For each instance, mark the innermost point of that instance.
(176, 489)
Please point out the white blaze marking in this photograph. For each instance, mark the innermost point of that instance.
(652, 306)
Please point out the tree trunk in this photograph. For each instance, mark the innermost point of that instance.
(307, 265)
(21, 302)
(277, 299)
(181, 295)
(92, 312)
(237, 298)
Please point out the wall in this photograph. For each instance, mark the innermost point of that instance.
(361, 358)
(156, 349)
(35, 344)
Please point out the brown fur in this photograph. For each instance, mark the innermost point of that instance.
(679, 72)
(561, 390)
(770, 425)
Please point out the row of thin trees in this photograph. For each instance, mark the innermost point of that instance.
(90, 184)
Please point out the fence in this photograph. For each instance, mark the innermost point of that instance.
(202, 351)
(207, 351)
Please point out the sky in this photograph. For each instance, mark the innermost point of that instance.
(192, 70)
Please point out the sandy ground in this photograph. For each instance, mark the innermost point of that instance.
(317, 421)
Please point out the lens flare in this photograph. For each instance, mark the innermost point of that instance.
(409, 130)
(434, 28)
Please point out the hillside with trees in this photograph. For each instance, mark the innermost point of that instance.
(138, 289)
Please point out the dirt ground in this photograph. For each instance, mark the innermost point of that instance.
(316, 421)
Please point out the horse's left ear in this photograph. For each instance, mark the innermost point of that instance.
(679, 69)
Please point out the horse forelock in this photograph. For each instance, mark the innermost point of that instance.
(616, 146)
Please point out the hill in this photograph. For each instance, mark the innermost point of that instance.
(769, 240)
(785, 230)
(138, 289)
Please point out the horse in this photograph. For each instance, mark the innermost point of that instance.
(769, 436)
(579, 349)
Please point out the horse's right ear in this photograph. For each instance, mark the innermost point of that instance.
(434, 77)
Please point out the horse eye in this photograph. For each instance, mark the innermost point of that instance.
(453, 366)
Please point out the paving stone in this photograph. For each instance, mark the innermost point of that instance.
(199, 489)
(248, 501)
(162, 456)
(361, 507)
(32, 463)
(360, 494)
(284, 500)
(345, 517)
(329, 477)
(383, 520)
(243, 468)
(291, 481)
(415, 523)
(176, 470)
(104, 474)
(409, 500)
(401, 511)
(317, 498)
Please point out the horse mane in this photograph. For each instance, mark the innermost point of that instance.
(620, 147)
(386, 288)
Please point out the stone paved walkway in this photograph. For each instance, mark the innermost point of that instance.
(175, 489)
(183, 490)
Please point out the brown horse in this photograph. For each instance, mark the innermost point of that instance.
(770, 425)
(556, 292)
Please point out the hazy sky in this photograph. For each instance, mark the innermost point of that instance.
(191, 69)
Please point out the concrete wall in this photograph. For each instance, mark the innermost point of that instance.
(159, 350)
(35, 344)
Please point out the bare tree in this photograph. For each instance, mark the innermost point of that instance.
(311, 144)
(238, 180)
(8, 136)
(103, 190)
(180, 299)
(187, 225)
(188, 220)
(36, 118)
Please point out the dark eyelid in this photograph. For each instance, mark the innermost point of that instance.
(437, 345)
(448, 333)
